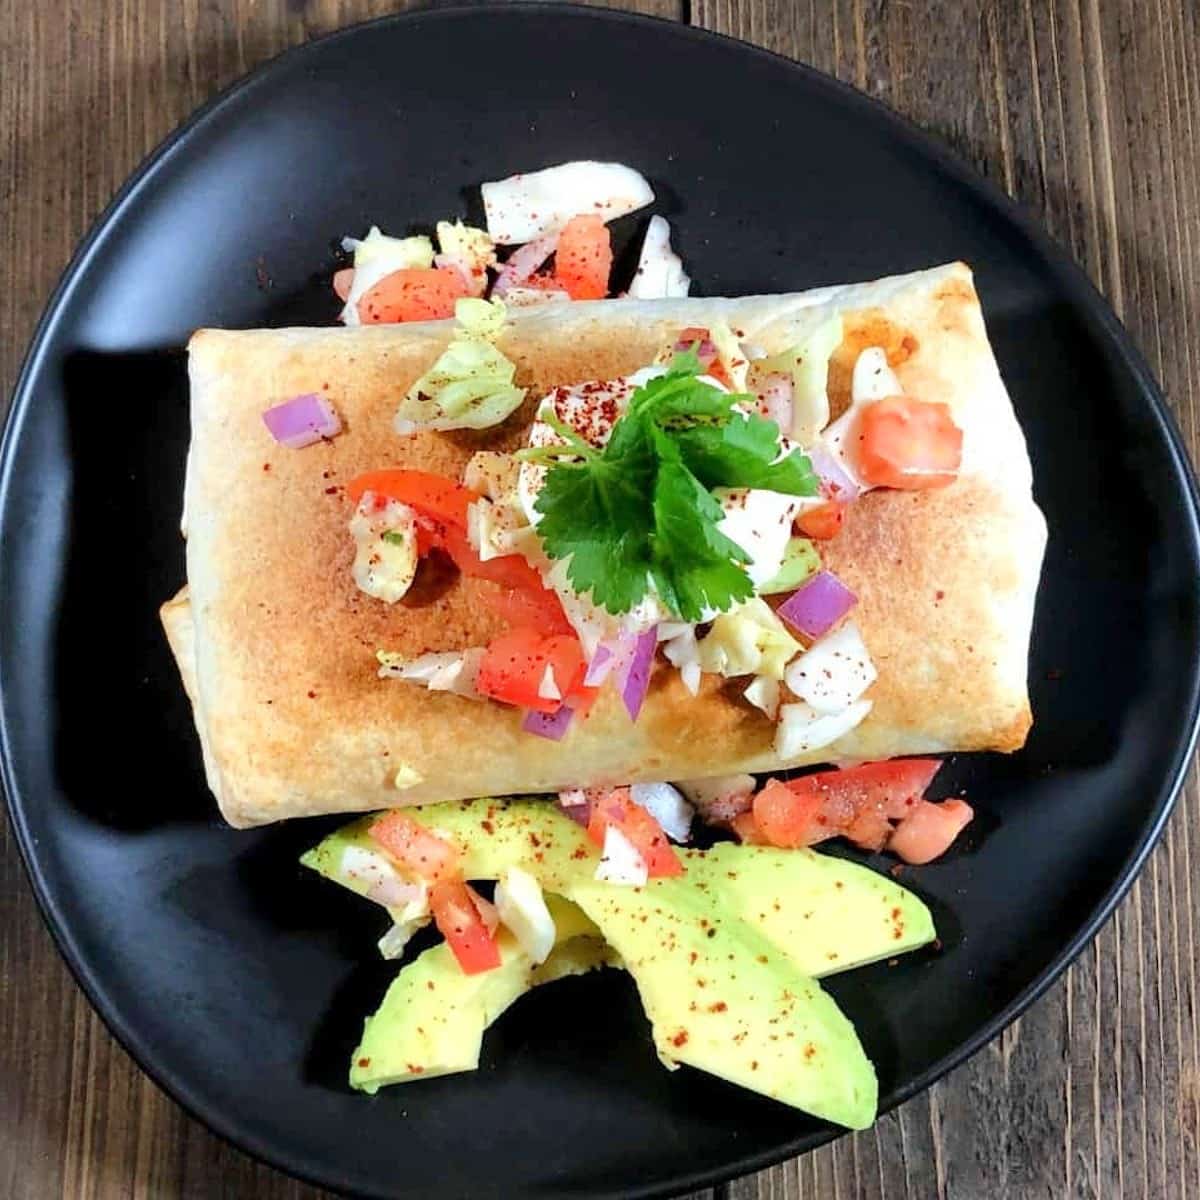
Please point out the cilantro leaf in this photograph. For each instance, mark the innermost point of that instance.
(739, 453)
(641, 509)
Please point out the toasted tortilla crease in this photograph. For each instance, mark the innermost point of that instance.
(277, 646)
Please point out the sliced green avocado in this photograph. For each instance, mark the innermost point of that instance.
(432, 1018)
(722, 998)
(827, 914)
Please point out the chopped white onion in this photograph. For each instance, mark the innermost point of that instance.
(385, 555)
(720, 798)
(763, 693)
(370, 874)
(620, 861)
(690, 673)
(834, 672)
(667, 806)
(531, 205)
(659, 272)
(802, 729)
(572, 797)
(523, 911)
(441, 671)
(392, 944)
(873, 379)
(548, 688)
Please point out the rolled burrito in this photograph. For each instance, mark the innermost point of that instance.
(277, 646)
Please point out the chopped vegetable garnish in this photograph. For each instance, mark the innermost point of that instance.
(908, 443)
(468, 249)
(549, 725)
(523, 911)
(750, 640)
(460, 921)
(823, 522)
(929, 829)
(807, 366)
(583, 260)
(834, 672)
(415, 848)
(523, 207)
(413, 294)
(818, 605)
(303, 420)
(802, 729)
(616, 808)
(520, 269)
(385, 537)
(640, 509)
(660, 270)
(434, 496)
(667, 806)
(800, 561)
(634, 676)
(470, 386)
(860, 803)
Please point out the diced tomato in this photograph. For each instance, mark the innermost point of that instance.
(789, 818)
(583, 258)
(433, 496)
(697, 335)
(929, 829)
(509, 570)
(746, 828)
(908, 443)
(416, 848)
(856, 803)
(343, 281)
(824, 522)
(413, 294)
(530, 608)
(566, 661)
(617, 808)
(461, 923)
(512, 670)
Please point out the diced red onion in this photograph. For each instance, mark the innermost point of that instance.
(548, 725)
(303, 420)
(600, 667)
(524, 263)
(818, 606)
(775, 401)
(577, 804)
(487, 911)
(835, 482)
(634, 678)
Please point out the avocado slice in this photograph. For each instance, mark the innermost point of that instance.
(825, 913)
(432, 1018)
(723, 998)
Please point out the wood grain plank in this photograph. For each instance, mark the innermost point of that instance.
(1087, 112)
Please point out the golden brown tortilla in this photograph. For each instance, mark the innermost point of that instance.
(277, 646)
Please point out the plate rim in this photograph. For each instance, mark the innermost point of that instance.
(952, 165)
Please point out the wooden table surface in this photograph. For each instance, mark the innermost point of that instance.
(1089, 112)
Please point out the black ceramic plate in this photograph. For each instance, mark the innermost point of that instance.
(238, 980)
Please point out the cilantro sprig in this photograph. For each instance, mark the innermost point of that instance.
(642, 509)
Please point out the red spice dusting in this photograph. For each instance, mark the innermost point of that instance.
(754, 1065)
(720, 1006)
(680, 1039)
(533, 839)
(429, 984)
(364, 1063)
(692, 958)
(580, 852)
(312, 695)
(266, 466)
(332, 491)
(809, 1050)
(414, 1069)
(939, 594)
(895, 914)
(487, 827)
